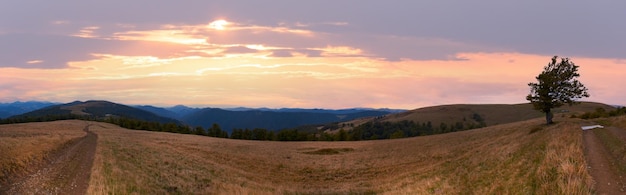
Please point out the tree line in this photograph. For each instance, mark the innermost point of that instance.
(601, 113)
(367, 131)
(405, 128)
(128, 123)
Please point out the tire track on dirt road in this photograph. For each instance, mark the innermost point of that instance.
(67, 171)
(607, 180)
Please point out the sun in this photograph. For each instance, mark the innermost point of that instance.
(219, 24)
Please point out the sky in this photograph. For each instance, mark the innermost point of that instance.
(308, 54)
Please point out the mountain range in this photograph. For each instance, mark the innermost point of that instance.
(283, 118)
(228, 119)
(273, 120)
(266, 118)
(16, 108)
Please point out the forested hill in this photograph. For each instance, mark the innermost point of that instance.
(96, 110)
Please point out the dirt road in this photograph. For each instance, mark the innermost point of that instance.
(608, 181)
(67, 171)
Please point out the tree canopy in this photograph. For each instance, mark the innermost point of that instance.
(556, 85)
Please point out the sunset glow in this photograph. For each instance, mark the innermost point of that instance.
(311, 62)
(218, 24)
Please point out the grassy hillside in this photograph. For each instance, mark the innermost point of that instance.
(517, 158)
(493, 114)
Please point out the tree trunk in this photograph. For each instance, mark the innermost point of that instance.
(549, 117)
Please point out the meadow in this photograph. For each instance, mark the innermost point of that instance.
(518, 158)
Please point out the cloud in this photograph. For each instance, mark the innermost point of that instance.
(167, 41)
(34, 62)
(282, 53)
(344, 51)
(239, 50)
(588, 31)
(232, 39)
(87, 32)
(54, 51)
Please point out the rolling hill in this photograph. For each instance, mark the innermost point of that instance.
(96, 109)
(492, 114)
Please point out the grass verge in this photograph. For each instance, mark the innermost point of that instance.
(615, 146)
(24, 147)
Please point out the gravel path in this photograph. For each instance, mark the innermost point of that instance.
(67, 172)
(597, 156)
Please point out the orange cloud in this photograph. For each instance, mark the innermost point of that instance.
(87, 32)
(219, 24)
(34, 61)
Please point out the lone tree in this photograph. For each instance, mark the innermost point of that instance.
(556, 86)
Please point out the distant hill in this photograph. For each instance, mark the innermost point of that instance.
(16, 108)
(317, 110)
(266, 118)
(97, 109)
(160, 111)
(181, 110)
(272, 120)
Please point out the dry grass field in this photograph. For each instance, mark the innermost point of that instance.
(24, 147)
(518, 158)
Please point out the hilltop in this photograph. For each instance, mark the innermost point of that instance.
(95, 109)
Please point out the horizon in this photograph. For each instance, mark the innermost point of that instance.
(285, 54)
(278, 108)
